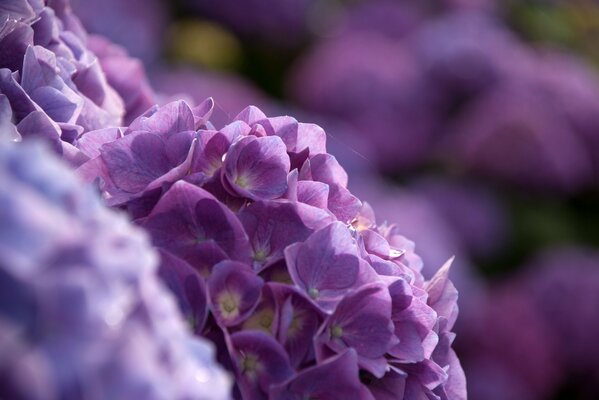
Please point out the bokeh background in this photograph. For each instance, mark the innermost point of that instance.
(474, 124)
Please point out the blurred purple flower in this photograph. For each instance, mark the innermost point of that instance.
(138, 25)
(523, 131)
(464, 53)
(379, 88)
(297, 272)
(504, 326)
(126, 75)
(563, 286)
(472, 212)
(82, 313)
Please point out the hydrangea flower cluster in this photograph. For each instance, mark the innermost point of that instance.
(82, 312)
(273, 258)
(458, 90)
(51, 84)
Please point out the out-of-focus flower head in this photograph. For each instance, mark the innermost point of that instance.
(273, 258)
(507, 348)
(464, 53)
(379, 88)
(471, 210)
(55, 86)
(126, 75)
(563, 285)
(535, 129)
(137, 25)
(400, 81)
(82, 311)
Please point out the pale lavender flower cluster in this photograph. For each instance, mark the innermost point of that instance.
(51, 84)
(82, 312)
(273, 259)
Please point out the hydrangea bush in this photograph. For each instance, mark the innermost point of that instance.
(82, 313)
(273, 258)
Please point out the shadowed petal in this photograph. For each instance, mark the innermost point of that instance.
(333, 379)
(260, 363)
(234, 290)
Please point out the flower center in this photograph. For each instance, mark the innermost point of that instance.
(242, 181)
(261, 320)
(229, 305)
(336, 331)
(250, 365)
(313, 293)
(260, 255)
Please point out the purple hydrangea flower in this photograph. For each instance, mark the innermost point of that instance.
(56, 86)
(139, 25)
(492, 341)
(82, 313)
(458, 89)
(558, 280)
(400, 118)
(537, 139)
(472, 211)
(298, 275)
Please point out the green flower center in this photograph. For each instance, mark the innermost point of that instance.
(229, 304)
(336, 331)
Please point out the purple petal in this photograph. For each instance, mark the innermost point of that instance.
(202, 112)
(38, 125)
(91, 142)
(250, 115)
(135, 160)
(326, 265)
(426, 373)
(325, 168)
(192, 224)
(257, 168)
(344, 205)
(443, 295)
(362, 321)
(264, 318)
(260, 363)
(389, 387)
(414, 328)
(141, 161)
(333, 379)
(16, 9)
(188, 287)
(298, 320)
(8, 129)
(234, 291)
(14, 45)
(313, 193)
(211, 148)
(20, 102)
(170, 118)
(271, 227)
